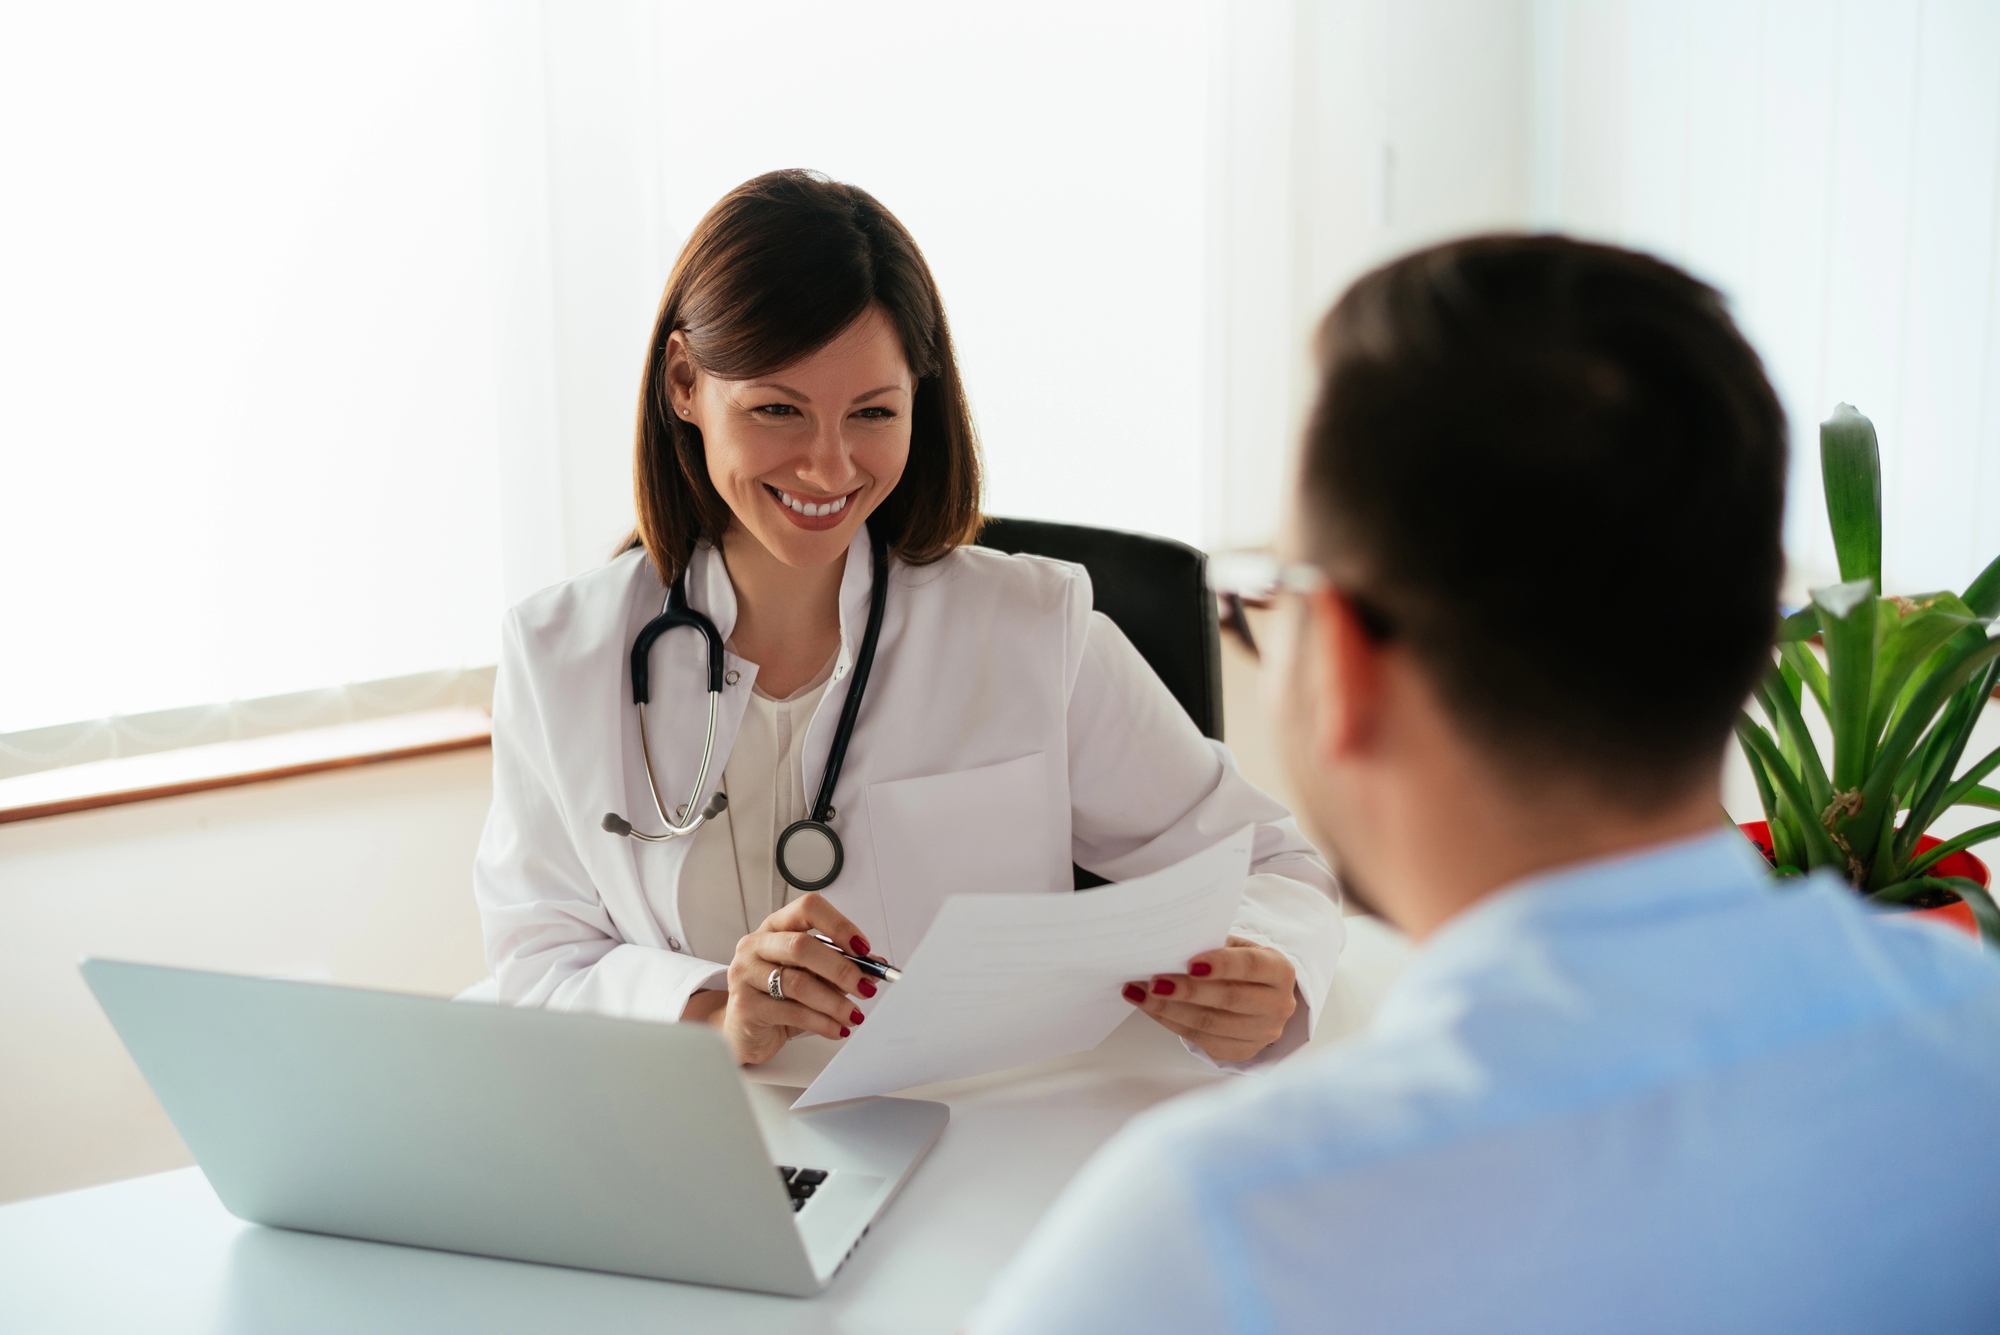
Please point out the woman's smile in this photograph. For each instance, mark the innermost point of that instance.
(809, 513)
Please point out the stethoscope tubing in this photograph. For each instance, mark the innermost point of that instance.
(864, 663)
(677, 613)
(696, 819)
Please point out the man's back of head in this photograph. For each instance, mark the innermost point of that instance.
(1529, 576)
(1559, 471)
(1544, 481)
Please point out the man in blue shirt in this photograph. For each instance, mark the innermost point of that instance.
(1626, 1084)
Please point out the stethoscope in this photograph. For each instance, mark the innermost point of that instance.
(809, 853)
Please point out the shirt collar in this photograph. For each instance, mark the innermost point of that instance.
(1610, 900)
(710, 591)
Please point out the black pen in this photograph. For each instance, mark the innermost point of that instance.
(886, 973)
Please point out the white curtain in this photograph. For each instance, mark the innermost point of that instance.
(1834, 167)
(246, 382)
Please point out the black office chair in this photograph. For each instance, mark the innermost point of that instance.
(1153, 589)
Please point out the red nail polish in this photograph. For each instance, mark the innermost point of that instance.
(1134, 993)
(858, 944)
(1163, 987)
(856, 1017)
(865, 988)
(843, 1031)
(1201, 968)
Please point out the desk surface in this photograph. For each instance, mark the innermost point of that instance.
(160, 1254)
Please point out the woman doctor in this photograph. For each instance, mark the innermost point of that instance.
(806, 469)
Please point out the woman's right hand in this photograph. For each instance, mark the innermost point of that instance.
(817, 981)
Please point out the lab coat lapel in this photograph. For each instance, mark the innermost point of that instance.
(622, 789)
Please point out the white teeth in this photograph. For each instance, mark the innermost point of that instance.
(809, 509)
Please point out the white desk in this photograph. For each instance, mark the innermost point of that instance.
(159, 1254)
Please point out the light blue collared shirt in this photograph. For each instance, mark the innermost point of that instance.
(1651, 1093)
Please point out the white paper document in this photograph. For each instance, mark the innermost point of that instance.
(1003, 980)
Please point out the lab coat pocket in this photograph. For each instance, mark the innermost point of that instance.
(980, 831)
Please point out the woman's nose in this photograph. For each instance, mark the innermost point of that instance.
(829, 463)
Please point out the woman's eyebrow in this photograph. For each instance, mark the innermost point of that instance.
(786, 390)
(885, 389)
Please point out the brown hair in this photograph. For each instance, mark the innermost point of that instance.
(1558, 471)
(775, 271)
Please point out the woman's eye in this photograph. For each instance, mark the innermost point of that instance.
(776, 410)
(877, 414)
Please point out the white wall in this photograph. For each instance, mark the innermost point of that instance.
(1347, 131)
(1047, 157)
(1835, 169)
(1136, 212)
(358, 876)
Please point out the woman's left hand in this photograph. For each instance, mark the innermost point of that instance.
(1232, 1003)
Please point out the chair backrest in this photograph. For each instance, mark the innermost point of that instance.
(1153, 589)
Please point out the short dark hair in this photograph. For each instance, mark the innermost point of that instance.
(775, 271)
(1556, 471)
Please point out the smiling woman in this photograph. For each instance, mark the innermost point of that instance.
(808, 485)
(790, 266)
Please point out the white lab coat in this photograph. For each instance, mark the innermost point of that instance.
(1006, 730)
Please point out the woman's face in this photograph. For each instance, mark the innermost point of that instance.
(804, 454)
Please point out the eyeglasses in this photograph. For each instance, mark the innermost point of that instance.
(1246, 579)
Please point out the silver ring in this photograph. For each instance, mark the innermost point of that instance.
(775, 985)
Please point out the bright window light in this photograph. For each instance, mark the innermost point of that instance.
(267, 289)
(246, 398)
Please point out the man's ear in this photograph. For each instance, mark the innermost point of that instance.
(1346, 667)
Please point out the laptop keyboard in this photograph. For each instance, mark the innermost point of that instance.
(801, 1183)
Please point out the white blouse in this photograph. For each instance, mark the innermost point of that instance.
(732, 883)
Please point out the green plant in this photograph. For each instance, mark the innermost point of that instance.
(1904, 681)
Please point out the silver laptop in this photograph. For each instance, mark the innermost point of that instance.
(569, 1139)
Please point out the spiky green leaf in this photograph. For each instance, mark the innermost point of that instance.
(1983, 594)
(1848, 617)
(1984, 911)
(1805, 665)
(1783, 710)
(1945, 745)
(1958, 844)
(1800, 625)
(1786, 842)
(1820, 848)
(1909, 643)
(1978, 795)
(1851, 465)
(1876, 790)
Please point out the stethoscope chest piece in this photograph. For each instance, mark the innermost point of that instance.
(809, 855)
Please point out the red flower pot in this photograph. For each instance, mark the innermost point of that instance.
(1958, 913)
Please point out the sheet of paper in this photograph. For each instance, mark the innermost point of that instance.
(1003, 980)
